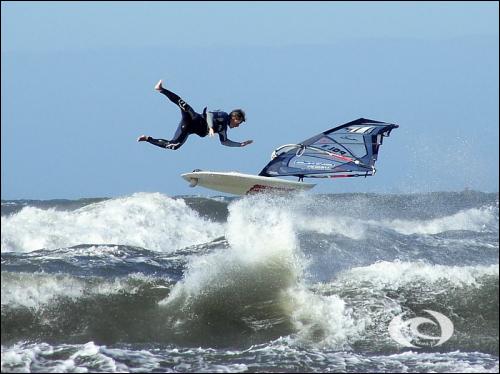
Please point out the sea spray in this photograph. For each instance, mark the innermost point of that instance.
(239, 290)
(256, 286)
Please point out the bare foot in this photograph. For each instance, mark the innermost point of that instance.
(142, 138)
(158, 86)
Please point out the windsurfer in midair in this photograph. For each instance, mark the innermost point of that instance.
(202, 125)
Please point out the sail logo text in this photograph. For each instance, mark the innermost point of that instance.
(315, 165)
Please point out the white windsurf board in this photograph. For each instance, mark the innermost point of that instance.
(242, 184)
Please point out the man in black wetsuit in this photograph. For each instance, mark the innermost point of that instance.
(194, 123)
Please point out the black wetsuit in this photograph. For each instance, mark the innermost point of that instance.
(193, 123)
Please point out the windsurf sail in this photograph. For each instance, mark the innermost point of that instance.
(349, 150)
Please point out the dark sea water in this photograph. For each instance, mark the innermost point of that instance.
(304, 283)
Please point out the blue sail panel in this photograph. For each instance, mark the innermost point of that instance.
(350, 149)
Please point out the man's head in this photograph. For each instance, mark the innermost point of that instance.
(236, 116)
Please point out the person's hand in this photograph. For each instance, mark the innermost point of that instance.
(211, 131)
(246, 142)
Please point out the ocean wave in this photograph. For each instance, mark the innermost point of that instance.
(148, 220)
(255, 287)
(398, 273)
(475, 219)
(159, 223)
(379, 292)
(73, 309)
(243, 282)
(249, 288)
(38, 290)
(103, 260)
(230, 299)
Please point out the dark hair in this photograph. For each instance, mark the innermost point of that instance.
(239, 113)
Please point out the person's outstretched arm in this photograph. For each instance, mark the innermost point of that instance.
(229, 143)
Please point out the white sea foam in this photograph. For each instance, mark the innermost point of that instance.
(322, 320)
(34, 290)
(149, 220)
(395, 274)
(27, 357)
(475, 219)
(19, 359)
(89, 357)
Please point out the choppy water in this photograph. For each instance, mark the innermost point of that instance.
(309, 283)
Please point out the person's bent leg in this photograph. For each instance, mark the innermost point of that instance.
(185, 107)
(180, 136)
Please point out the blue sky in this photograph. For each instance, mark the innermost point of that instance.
(78, 77)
